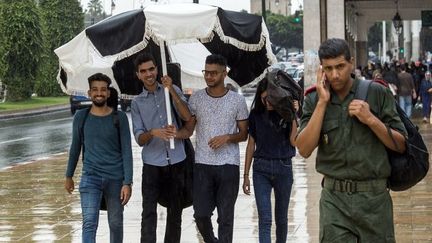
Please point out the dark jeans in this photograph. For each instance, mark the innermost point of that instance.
(268, 175)
(215, 187)
(426, 102)
(157, 180)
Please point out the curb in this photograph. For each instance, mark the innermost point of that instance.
(33, 112)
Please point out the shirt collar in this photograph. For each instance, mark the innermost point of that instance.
(145, 92)
(351, 93)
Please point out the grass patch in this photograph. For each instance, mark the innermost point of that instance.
(33, 103)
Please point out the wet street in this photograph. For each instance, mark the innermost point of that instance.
(34, 207)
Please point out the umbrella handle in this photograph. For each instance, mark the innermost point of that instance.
(166, 91)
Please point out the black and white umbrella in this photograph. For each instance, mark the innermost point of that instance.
(111, 45)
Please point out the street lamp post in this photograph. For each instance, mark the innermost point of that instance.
(263, 10)
(397, 20)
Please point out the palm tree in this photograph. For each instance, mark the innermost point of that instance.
(95, 9)
(94, 12)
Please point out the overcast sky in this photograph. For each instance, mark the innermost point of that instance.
(125, 5)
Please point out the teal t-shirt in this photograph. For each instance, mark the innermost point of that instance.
(104, 154)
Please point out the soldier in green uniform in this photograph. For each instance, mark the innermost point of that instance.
(351, 136)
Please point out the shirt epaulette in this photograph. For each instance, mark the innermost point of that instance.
(310, 90)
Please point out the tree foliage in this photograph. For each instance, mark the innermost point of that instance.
(21, 46)
(62, 20)
(94, 12)
(95, 8)
(284, 31)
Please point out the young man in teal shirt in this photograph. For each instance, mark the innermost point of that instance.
(107, 161)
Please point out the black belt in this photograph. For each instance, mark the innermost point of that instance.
(351, 186)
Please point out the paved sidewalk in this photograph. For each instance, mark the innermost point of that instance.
(34, 206)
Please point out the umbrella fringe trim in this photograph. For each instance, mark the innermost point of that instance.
(134, 49)
(230, 40)
(126, 53)
(260, 77)
(270, 56)
(127, 97)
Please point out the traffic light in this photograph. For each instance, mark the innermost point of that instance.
(401, 50)
(297, 16)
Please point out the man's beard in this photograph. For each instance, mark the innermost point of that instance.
(99, 103)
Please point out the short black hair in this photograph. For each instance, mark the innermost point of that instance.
(99, 77)
(333, 48)
(216, 59)
(142, 58)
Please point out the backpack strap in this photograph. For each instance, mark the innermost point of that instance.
(116, 122)
(81, 130)
(362, 89)
(361, 94)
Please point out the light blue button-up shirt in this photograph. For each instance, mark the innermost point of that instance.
(148, 112)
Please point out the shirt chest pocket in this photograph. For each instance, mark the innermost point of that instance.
(362, 134)
(330, 133)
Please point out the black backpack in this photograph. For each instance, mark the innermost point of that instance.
(409, 168)
(282, 90)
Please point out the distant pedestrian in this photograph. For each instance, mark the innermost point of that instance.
(107, 161)
(406, 90)
(425, 95)
(352, 136)
(270, 145)
(220, 116)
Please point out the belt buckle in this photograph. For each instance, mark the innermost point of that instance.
(349, 186)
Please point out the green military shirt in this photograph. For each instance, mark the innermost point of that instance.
(348, 149)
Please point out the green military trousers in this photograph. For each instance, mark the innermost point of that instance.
(356, 217)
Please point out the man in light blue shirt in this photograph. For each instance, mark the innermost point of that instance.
(163, 167)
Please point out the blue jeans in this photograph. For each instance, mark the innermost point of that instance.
(268, 175)
(92, 188)
(405, 102)
(215, 186)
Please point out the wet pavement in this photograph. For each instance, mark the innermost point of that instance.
(34, 207)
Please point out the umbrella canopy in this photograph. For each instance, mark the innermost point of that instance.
(111, 46)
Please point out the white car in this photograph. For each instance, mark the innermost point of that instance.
(298, 74)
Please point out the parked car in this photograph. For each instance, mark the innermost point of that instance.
(298, 74)
(79, 102)
(249, 89)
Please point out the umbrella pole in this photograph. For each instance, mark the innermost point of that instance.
(167, 95)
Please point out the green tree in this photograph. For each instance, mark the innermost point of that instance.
(21, 41)
(62, 20)
(95, 8)
(94, 12)
(285, 31)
